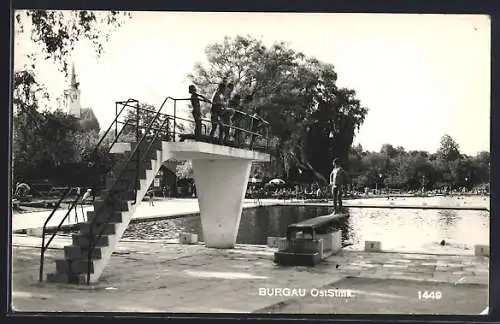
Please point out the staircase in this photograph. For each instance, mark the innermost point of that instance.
(112, 212)
(124, 185)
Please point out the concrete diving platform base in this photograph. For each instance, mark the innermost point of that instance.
(221, 177)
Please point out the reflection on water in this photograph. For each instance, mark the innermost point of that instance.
(395, 228)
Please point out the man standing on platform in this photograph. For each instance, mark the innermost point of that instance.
(215, 112)
(338, 178)
(195, 103)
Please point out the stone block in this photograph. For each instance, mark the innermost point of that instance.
(327, 241)
(306, 246)
(336, 241)
(481, 250)
(332, 242)
(188, 238)
(276, 242)
(373, 246)
(297, 259)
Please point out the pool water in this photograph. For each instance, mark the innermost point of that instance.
(397, 229)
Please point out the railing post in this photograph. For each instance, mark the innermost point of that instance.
(175, 119)
(134, 188)
(251, 132)
(116, 119)
(42, 254)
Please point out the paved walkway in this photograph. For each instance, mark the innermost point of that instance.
(169, 277)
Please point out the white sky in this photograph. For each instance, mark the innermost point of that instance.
(421, 76)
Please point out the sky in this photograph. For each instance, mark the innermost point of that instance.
(421, 76)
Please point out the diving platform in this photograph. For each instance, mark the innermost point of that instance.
(221, 172)
(207, 151)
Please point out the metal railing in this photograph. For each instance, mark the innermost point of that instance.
(44, 246)
(92, 163)
(142, 133)
(251, 120)
(93, 239)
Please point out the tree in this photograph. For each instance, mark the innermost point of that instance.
(449, 149)
(311, 120)
(88, 120)
(184, 170)
(147, 115)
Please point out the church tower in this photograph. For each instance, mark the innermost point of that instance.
(71, 100)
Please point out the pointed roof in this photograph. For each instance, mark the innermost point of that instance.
(74, 84)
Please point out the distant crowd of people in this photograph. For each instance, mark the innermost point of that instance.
(335, 189)
(227, 114)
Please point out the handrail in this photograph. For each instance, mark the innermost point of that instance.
(136, 155)
(245, 114)
(93, 244)
(44, 246)
(128, 122)
(111, 125)
(44, 229)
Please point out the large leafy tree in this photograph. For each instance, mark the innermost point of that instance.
(449, 149)
(312, 121)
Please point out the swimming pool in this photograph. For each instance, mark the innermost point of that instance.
(397, 229)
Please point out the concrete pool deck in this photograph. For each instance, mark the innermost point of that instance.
(163, 276)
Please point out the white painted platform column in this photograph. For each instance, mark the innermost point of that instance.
(220, 187)
(221, 177)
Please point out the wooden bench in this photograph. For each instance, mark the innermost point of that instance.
(313, 245)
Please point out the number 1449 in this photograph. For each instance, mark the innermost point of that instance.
(434, 295)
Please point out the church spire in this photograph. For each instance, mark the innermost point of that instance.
(74, 84)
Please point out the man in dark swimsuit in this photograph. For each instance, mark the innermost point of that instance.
(256, 123)
(195, 103)
(231, 116)
(239, 117)
(216, 110)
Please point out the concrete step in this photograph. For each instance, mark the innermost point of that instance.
(124, 166)
(112, 181)
(74, 267)
(83, 240)
(127, 184)
(66, 278)
(75, 252)
(105, 216)
(109, 228)
(118, 193)
(131, 173)
(132, 163)
(110, 205)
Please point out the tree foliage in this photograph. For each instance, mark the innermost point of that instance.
(56, 32)
(311, 119)
(449, 149)
(397, 168)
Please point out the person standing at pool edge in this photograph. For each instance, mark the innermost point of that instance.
(337, 181)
